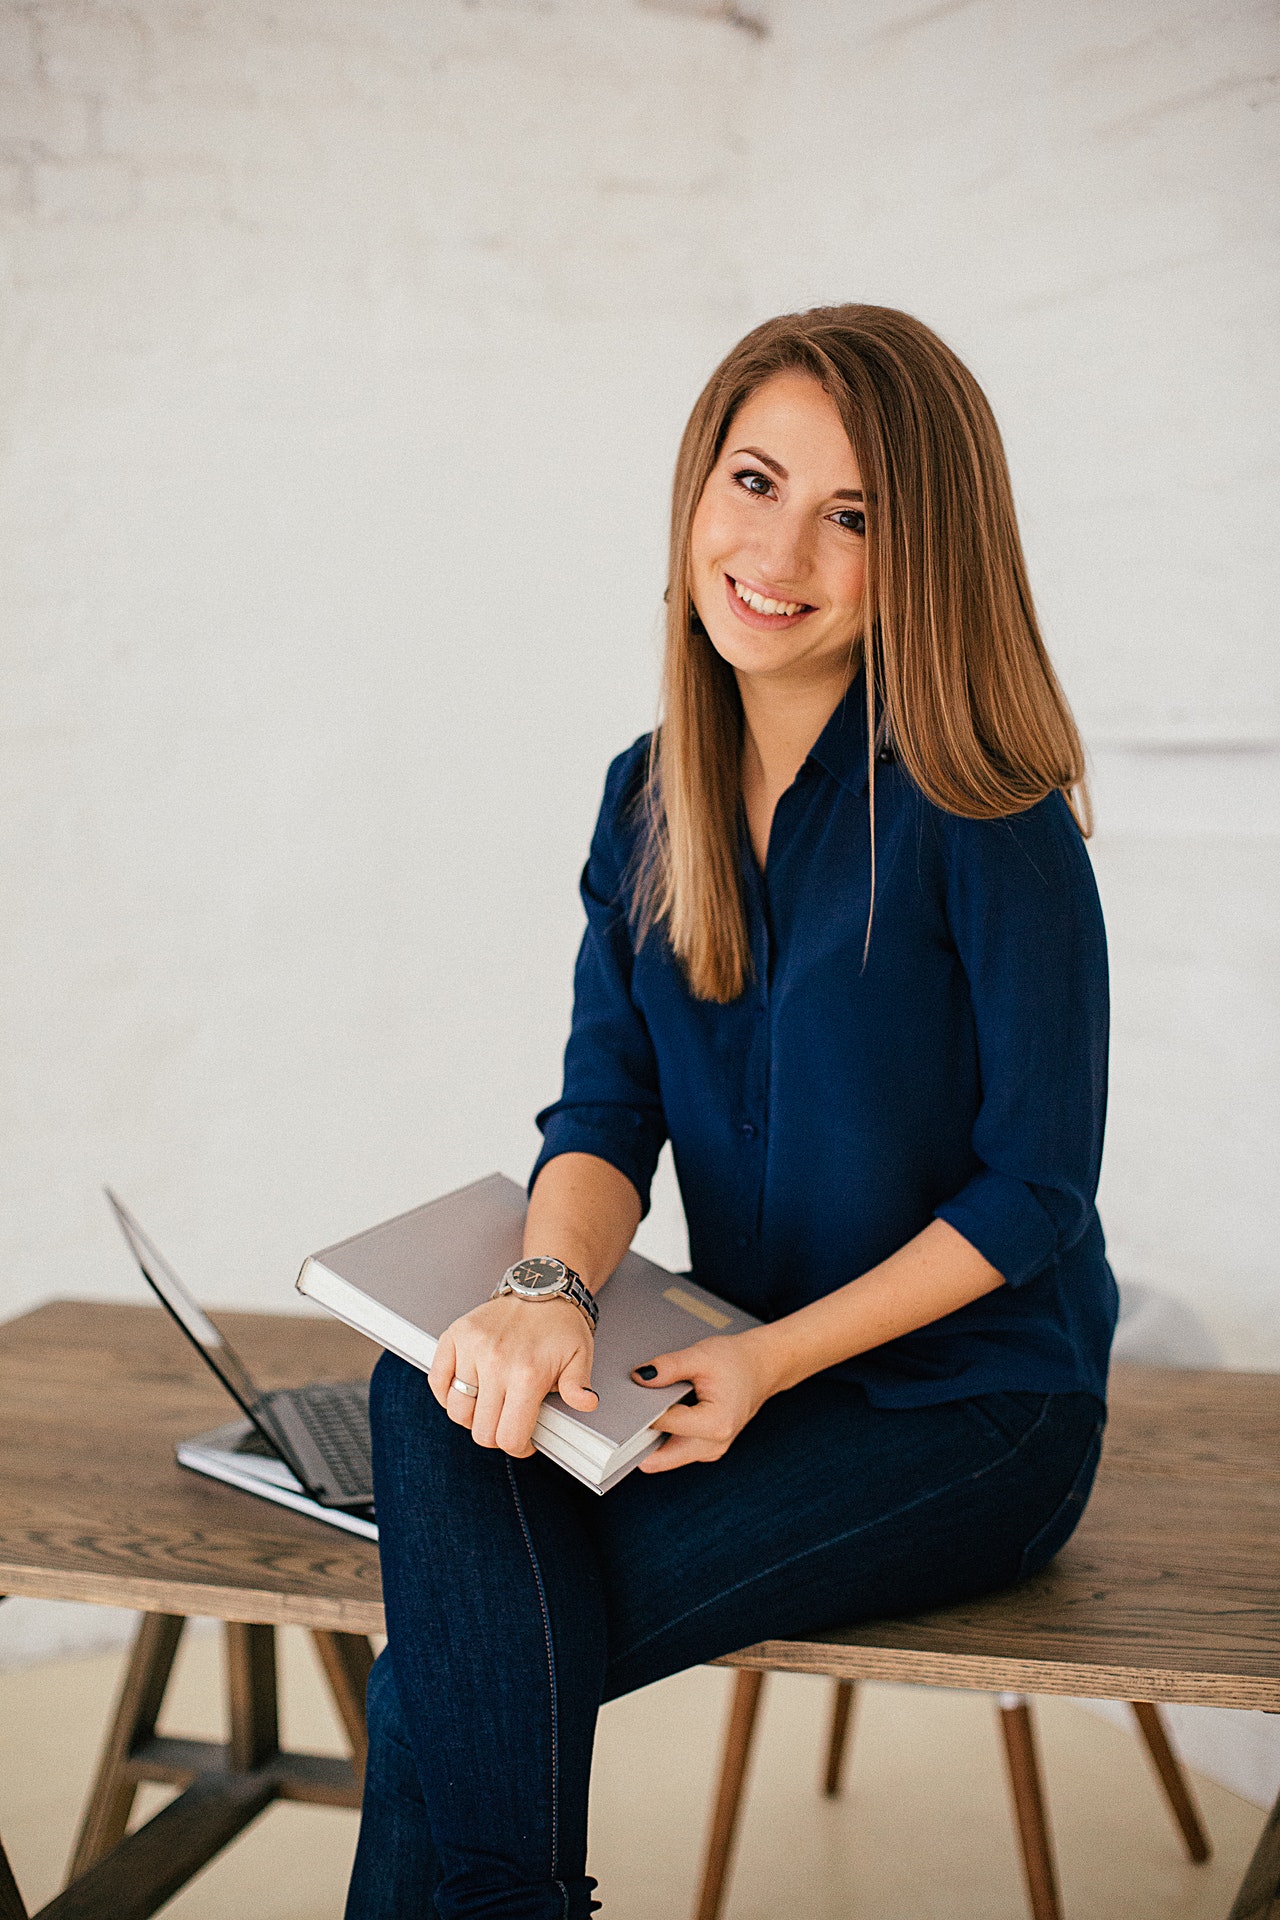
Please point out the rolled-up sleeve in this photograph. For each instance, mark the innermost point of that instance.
(1023, 911)
(610, 1105)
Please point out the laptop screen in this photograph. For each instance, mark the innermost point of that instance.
(190, 1316)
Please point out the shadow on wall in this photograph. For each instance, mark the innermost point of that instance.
(1157, 1330)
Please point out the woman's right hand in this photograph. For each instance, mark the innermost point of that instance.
(516, 1352)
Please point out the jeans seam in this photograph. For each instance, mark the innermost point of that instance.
(765, 1573)
(551, 1677)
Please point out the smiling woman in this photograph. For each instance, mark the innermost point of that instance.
(777, 549)
(923, 581)
(887, 1141)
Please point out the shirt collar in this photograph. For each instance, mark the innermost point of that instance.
(841, 747)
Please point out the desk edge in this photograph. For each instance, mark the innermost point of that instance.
(256, 1605)
(985, 1673)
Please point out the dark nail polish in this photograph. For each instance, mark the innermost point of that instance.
(646, 1373)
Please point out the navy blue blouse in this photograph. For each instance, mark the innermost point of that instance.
(823, 1118)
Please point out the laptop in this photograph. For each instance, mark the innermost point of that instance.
(321, 1432)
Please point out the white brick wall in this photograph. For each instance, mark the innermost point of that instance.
(343, 352)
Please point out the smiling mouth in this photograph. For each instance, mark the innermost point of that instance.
(758, 603)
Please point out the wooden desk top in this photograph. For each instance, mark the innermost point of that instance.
(93, 1505)
(1170, 1590)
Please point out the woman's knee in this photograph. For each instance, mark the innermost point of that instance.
(423, 1462)
(398, 1391)
(404, 1415)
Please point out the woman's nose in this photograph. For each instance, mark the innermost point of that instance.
(782, 554)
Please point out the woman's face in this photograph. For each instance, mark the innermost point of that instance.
(778, 546)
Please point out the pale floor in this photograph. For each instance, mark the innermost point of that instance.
(921, 1833)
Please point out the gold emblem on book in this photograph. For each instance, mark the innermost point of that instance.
(698, 1308)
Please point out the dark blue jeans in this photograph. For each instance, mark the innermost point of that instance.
(517, 1601)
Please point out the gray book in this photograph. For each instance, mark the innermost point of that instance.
(402, 1283)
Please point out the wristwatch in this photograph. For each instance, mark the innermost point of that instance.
(542, 1277)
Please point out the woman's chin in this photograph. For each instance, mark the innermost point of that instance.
(775, 656)
(752, 653)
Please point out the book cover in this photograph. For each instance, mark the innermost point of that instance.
(404, 1281)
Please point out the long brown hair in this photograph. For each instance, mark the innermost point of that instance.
(957, 676)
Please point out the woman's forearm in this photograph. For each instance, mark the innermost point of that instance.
(584, 1212)
(928, 1278)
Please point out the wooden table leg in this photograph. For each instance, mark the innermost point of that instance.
(1259, 1895)
(149, 1866)
(733, 1773)
(1177, 1787)
(11, 1906)
(347, 1659)
(1028, 1802)
(841, 1709)
(119, 1876)
(133, 1723)
(251, 1695)
(11, 1903)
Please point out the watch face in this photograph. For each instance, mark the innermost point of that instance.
(541, 1274)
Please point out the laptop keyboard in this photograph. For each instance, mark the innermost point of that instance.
(337, 1419)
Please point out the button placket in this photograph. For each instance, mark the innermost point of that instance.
(755, 1067)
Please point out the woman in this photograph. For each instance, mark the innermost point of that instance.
(843, 949)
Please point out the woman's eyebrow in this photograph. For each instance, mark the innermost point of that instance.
(775, 466)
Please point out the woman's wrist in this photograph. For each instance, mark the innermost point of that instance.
(553, 1300)
(813, 1337)
(584, 1212)
(775, 1356)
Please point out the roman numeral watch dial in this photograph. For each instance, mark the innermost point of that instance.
(542, 1277)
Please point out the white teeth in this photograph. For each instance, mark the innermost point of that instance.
(761, 605)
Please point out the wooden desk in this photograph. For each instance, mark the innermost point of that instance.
(93, 1506)
(1169, 1590)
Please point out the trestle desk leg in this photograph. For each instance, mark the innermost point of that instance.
(134, 1721)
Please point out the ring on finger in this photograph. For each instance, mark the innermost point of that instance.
(463, 1386)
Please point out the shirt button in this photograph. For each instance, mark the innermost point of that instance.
(748, 1130)
(742, 1241)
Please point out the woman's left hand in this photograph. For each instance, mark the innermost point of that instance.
(732, 1380)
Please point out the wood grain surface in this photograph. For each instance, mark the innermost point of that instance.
(1170, 1589)
(93, 1506)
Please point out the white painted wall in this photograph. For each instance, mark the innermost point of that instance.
(345, 349)
(1083, 199)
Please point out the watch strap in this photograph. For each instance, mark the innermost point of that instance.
(582, 1297)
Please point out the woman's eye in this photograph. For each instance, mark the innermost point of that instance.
(852, 518)
(748, 479)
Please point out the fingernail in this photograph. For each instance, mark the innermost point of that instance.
(646, 1373)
